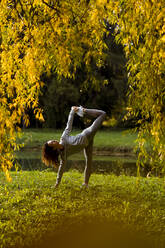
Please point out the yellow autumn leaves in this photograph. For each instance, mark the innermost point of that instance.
(59, 36)
(142, 24)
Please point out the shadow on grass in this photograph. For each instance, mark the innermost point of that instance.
(95, 235)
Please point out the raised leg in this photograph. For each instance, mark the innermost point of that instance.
(90, 131)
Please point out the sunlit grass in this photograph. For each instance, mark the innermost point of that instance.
(31, 208)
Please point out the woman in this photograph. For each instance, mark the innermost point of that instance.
(69, 145)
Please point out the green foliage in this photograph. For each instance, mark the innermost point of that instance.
(31, 207)
(57, 100)
(60, 94)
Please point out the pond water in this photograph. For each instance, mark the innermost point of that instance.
(117, 164)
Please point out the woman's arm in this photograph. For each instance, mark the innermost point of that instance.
(60, 170)
(68, 128)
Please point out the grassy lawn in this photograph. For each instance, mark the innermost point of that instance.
(109, 138)
(115, 211)
(122, 211)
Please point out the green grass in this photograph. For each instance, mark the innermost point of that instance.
(33, 210)
(115, 138)
(109, 138)
(36, 137)
(33, 213)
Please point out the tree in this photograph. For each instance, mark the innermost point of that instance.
(57, 98)
(41, 37)
(45, 36)
(142, 32)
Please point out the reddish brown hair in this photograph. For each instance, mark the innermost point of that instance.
(50, 155)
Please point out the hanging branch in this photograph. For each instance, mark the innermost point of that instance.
(51, 7)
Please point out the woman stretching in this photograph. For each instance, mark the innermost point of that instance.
(69, 145)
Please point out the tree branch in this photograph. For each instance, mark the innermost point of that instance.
(51, 7)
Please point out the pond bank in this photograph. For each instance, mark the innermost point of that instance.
(110, 150)
(105, 160)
